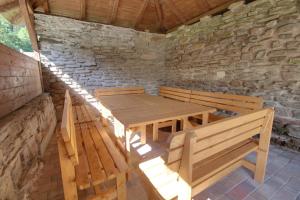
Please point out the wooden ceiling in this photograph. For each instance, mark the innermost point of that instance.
(146, 15)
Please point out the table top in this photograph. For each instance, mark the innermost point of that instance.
(139, 109)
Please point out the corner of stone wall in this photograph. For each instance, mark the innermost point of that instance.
(24, 136)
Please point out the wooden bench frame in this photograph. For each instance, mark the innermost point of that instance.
(222, 101)
(89, 161)
(200, 157)
(175, 94)
(118, 91)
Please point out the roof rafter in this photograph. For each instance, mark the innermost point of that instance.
(141, 12)
(210, 12)
(200, 6)
(82, 9)
(113, 16)
(175, 11)
(159, 14)
(9, 6)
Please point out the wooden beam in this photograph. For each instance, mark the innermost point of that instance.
(204, 6)
(46, 7)
(28, 18)
(114, 11)
(159, 14)
(9, 6)
(210, 12)
(82, 9)
(175, 11)
(141, 12)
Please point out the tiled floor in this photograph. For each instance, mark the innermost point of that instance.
(282, 179)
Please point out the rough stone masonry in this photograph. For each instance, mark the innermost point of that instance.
(252, 49)
(86, 56)
(24, 136)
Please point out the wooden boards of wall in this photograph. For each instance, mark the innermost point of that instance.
(19, 80)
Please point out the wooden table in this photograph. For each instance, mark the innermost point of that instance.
(133, 112)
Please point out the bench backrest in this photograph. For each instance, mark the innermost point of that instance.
(117, 91)
(187, 148)
(230, 102)
(175, 93)
(68, 129)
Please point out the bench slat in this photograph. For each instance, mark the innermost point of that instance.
(106, 159)
(86, 115)
(95, 165)
(209, 168)
(116, 155)
(82, 169)
(80, 115)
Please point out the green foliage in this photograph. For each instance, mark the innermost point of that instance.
(14, 36)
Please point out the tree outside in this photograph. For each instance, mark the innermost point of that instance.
(14, 36)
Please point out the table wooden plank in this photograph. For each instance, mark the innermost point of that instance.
(141, 109)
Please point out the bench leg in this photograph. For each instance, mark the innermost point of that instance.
(261, 163)
(121, 186)
(263, 149)
(155, 131)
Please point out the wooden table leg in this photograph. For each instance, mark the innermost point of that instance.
(205, 118)
(127, 143)
(174, 125)
(143, 134)
(155, 131)
(186, 124)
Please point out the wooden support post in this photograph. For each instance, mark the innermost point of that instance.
(24, 8)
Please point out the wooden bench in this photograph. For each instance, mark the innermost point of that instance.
(84, 113)
(171, 93)
(200, 157)
(89, 159)
(117, 91)
(227, 102)
(175, 93)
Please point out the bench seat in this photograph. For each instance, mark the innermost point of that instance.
(167, 180)
(199, 157)
(84, 113)
(88, 156)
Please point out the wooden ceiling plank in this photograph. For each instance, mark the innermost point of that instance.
(159, 13)
(141, 12)
(113, 16)
(203, 5)
(46, 7)
(9, 6)
(82, 9)
(175, 11)
(26, 13)
(210, 12)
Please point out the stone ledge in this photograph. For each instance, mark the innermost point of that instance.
(24, 136)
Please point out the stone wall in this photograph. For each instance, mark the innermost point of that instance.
(87, 55)
(24, 135)
(252, 49)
